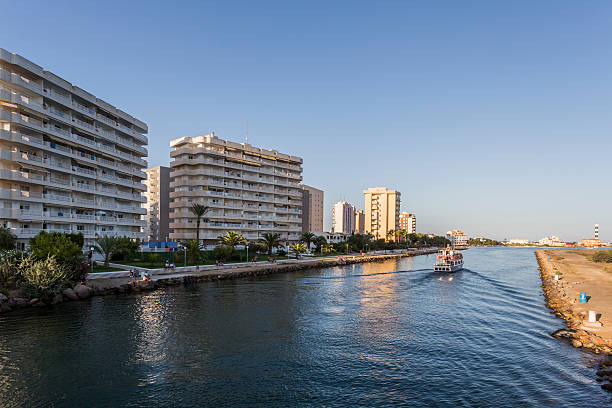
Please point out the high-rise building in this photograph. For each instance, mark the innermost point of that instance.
(359, 222)
(408, 222)
(457, 238)
(343, 218)
(312, 209)
(382, 209)
(158, 204)
(69, 162)
(249, 190)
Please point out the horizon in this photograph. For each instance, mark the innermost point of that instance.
(481, 126)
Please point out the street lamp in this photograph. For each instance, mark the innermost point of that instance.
(91, 251)
(247, 252)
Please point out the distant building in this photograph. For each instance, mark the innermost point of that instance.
(158, 204)
(408, 222)
(343, 218)
(517, 241)
(457, 238)
(551, 241)
(382, 210)
(312, 208)
(592, 243)
(359, 222)
(332, 237)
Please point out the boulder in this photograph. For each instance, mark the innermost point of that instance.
(607, 387)
(34, 301)
(58, 298)
(4, 308)
(82, 291)
(576, 343)
(3, 298)
(17, 302)
(69, 293)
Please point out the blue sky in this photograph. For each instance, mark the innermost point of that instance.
(492, 117)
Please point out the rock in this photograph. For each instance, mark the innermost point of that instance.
(3, 298)
(4, 308)
(605, 372)
(69, 293)
(58, 298)
(563, 333)
(82, 291)
(576, 343)
(17, 302)
(34, 301)
(607, 387)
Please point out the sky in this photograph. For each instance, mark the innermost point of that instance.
(490, 117)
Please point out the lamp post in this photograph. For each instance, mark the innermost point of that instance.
(91, 251)
(247, 252)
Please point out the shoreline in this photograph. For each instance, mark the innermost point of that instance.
(113, 283)
(562, 298)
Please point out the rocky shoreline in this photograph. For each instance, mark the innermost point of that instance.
(562, 304)
(16, 301)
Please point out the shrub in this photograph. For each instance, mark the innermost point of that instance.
(9, 263)
(602, 256)
(281, 252)
(7, 239)
(57, 245)
(125, 249)
(42, 278)
(223, 252)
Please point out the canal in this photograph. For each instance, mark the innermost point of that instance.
(378, 334)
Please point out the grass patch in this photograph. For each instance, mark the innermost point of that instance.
(98, 269)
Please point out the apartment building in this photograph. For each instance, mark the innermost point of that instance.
(457, 238)
(312, 208)
(408, 222)
(359, 222)
(248, 189)
(69, 162)
(343, 218)
(158, 204)
(382, 209)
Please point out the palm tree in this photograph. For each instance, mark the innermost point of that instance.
(106, 245)
(199, 211)
(307, 238)
(390, 234)
(298, 248)
(232, 239)
(7, 239)
(271, 240)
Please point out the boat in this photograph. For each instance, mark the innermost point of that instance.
(448, 260)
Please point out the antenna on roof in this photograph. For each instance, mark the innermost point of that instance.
(246, 137)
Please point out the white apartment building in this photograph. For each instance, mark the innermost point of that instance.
(248, 189)
(457, 238)
(69, 162)
(343, 218)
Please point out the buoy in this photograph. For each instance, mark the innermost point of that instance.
(583, 297)
(592, 316)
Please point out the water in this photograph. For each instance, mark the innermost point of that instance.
(383, 334)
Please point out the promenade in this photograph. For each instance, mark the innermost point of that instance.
(164, 277)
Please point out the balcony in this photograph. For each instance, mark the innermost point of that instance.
(106, 120)
(84, 109)
(84, 124)
(58, 114)
(57, 197)
(26, 82)
(57, 96)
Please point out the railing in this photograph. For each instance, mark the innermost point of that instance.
(83, 186)
(106, 218)
(59, 147)
(83, 108)
(84, 140)
(84, 124)
(56, 129)
(57, 214)
(107, 133)
(84, 171)
(57, 95)
(85, 217)
(106, 120)
(26, 82)
(83, 200)
(57, 197)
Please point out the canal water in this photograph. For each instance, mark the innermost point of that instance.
(380, 334)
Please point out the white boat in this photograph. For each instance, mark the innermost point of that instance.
(448, 260)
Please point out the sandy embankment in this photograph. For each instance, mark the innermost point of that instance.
(578, 274)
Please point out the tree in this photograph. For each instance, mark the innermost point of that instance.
(307, 238)
(390, 234)
(327, 247)
(271, 240)
(319, 242)
(56, 244)
(106, 246)
(232, 239)
(7, 239)
(298, 248)
(193, 251)
(42, 277)
(199, 211)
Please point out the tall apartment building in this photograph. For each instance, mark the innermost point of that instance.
(312, 209)
(248, 189)
(359, 222)
(69, 162)
(343, 218)
(382, 209)
(457, 238)
(158, 204)
(408, 222)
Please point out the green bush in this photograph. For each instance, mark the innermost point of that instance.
(223, 252)
(602, 256)
(42, 278)
(7, 239)
(281, 252)
(60, 246)
(125, 249)
(9, 267)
